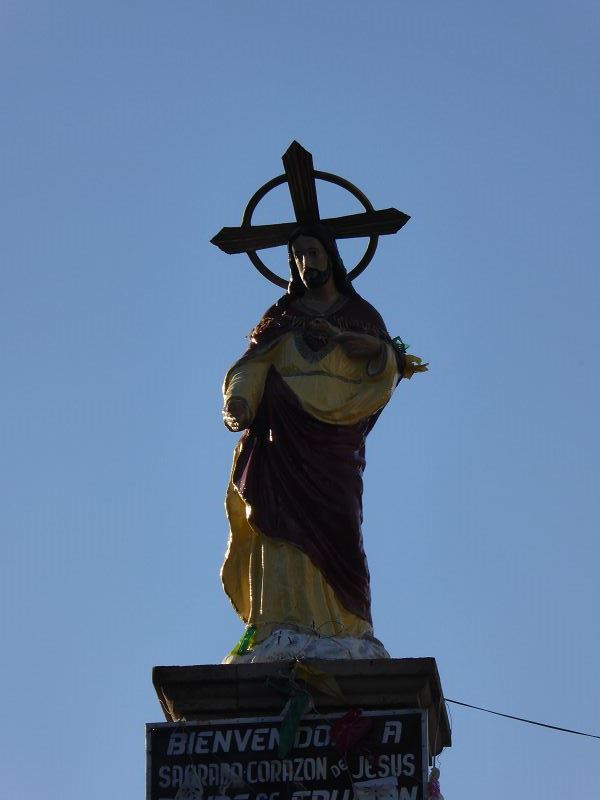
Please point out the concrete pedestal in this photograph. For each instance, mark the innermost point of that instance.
(241, 690)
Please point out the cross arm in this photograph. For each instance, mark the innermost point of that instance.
(368, 223)
(261, 237)
(254, 237)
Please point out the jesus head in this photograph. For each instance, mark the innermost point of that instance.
(314, 259)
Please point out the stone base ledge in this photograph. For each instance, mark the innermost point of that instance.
(219, 691)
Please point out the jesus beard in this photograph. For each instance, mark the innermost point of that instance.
(315, 278)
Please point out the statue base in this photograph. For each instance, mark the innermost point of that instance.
(210, 692)
(287, 643)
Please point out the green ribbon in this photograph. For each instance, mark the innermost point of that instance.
(294, 710)
(246, 642)
(398, 343)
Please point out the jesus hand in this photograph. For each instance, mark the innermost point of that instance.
(359, 345)
(236, 414)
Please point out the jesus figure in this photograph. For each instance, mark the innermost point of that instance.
(319, 369)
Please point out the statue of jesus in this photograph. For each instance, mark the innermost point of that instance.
(319, 369)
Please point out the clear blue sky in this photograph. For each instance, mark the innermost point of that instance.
(131, 132)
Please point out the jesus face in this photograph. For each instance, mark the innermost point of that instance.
(312, 261)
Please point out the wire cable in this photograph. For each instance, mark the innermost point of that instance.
(522, 719)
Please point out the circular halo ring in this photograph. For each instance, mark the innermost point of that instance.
(323, 176)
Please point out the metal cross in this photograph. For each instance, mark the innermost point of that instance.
(300, 177)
